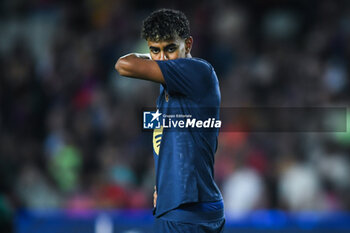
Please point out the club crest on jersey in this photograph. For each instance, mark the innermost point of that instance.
(152, 120)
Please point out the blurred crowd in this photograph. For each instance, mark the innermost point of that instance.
(70, 127)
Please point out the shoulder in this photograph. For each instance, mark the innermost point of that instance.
(201, 61)
(194, 64)
(198, 62)
(186, 66)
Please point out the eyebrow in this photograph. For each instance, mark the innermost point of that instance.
(166, 47)
(170, 45)
(152, 47)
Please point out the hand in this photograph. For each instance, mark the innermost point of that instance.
(155, 197)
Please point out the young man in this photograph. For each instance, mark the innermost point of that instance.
(186, 198)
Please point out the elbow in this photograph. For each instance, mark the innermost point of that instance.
(120, 66)
(124, 65)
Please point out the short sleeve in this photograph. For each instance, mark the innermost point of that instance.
(187, 76)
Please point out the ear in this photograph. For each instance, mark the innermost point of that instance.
(188, 44)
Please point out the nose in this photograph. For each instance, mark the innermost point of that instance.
(163, 56)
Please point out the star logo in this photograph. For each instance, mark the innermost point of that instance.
(156, 115)
(152, 120)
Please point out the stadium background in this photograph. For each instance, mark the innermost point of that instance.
(73, 158)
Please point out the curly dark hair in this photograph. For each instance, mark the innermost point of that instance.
(165, 24)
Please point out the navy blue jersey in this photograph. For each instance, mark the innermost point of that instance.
(184, 159)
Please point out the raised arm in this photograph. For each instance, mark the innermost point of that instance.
(136, 66)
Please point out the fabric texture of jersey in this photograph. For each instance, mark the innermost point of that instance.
(199, 212)
(164, 226)
(184, 163)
